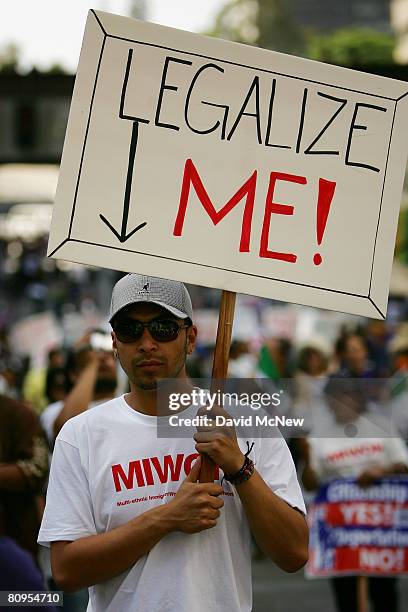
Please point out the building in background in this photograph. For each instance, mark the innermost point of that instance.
(33, 116)
(322, 15)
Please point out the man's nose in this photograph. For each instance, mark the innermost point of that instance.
(146, 342)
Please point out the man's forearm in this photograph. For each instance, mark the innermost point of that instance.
(280, 530)
(97, 558)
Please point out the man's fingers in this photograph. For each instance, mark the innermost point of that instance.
(204, 447)
(216, 502)
(210, 427)
(212, 488)
(194, 474)
(210, 523)
(213, 411)
(215, 514)
(206, 436)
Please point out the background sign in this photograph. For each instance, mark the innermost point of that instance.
(229, 166)
(359, 531)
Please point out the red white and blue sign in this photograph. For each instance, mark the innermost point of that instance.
(359, 531)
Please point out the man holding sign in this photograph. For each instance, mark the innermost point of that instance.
(176, 142)
(125, 514)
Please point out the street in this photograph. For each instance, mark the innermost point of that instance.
(276, 591)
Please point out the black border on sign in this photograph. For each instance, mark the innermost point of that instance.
(69, 239)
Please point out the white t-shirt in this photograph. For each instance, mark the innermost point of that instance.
(109, 467)
(341, 456)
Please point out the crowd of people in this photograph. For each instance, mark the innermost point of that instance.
(363, 379)
(32, 283)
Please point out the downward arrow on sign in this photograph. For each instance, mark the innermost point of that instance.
(123, 236)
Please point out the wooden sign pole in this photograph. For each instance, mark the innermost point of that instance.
(362, 594)
(220, 364)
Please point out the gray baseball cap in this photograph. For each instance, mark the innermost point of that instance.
(134, 288)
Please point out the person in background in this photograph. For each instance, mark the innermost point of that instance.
(19, 572)
(242, 362)
(23, 472)
(89, 378)
(308, 395)
(56, 358)
(274, 374)
(4, 343)
(34, 385)
(377, 337)
(274, 359)
(310, 377)
(10, 376)
(364, 456)
(352, 349)
(356, 363)
(92, 374)
(399, 383)
(56, 385)
(398, 349)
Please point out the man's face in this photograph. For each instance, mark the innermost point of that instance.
(107, 373)
(106, 380)
(345, 408)
(147, 360)
(355, 353)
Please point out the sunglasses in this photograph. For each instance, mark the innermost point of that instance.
(161, 330)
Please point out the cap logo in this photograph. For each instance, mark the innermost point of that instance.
(145, 288)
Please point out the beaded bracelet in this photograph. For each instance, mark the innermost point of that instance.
(245, 472)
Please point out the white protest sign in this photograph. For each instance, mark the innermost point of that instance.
(35, 336)
(233, 167)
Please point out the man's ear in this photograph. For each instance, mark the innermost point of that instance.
(114, 345)
(191, 338)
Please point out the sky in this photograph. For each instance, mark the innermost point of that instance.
(50, 31)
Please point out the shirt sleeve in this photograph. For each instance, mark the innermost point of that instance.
(68, 513)
(275, 465)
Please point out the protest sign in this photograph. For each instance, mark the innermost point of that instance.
(229, 166)
(355, 531)
(34, 336)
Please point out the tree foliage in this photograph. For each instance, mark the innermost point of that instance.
(268, 23)
(278, 29)
(237, 21)
(353, 47)
(271, 24)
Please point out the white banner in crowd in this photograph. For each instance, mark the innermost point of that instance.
(230, 166)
